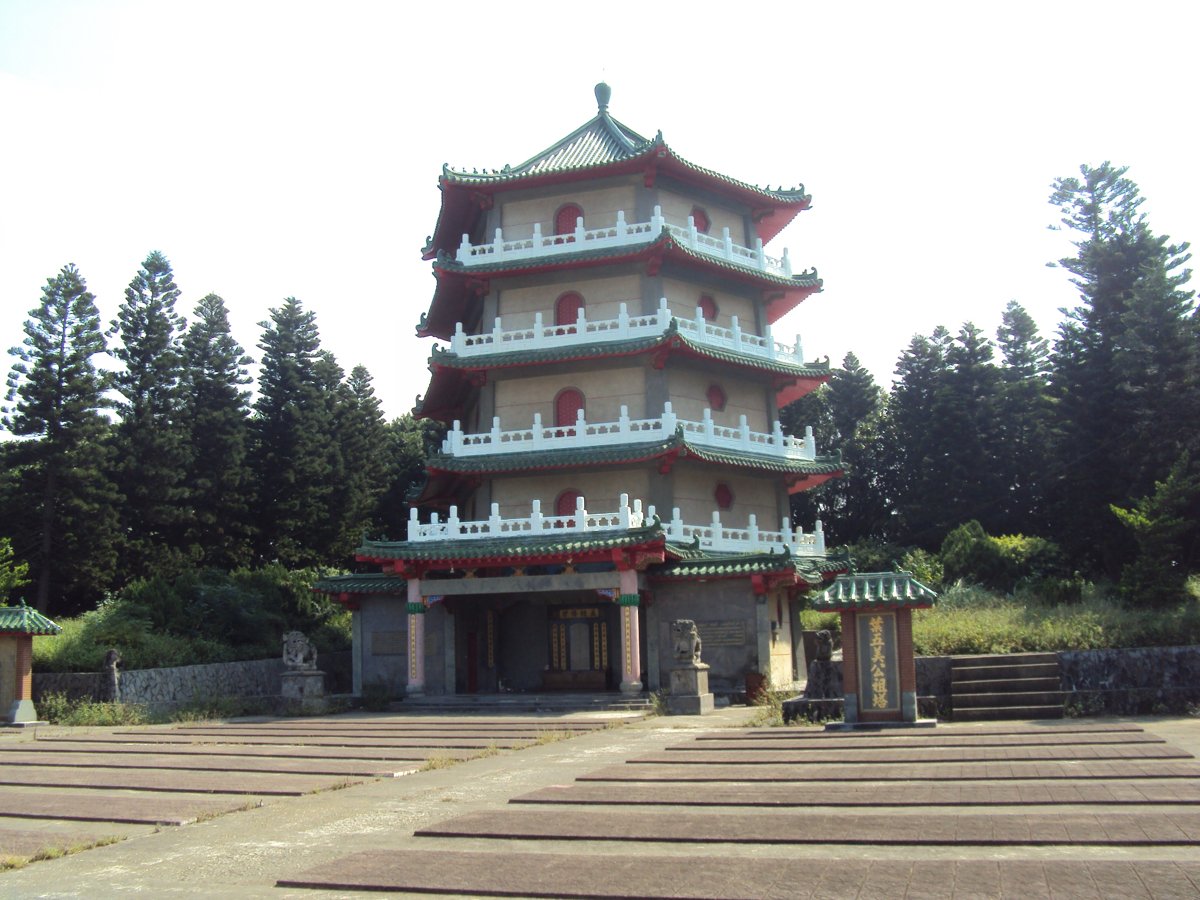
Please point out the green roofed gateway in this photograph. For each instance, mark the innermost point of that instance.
(610, 379)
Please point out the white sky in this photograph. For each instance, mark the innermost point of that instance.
(273, 149)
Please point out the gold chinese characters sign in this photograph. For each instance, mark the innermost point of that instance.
(878, 663)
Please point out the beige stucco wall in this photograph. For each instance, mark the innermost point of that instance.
(599, 210)
(601, 490)
(604, 392)
(676, 208)
(602, 298)
(694, 487)
(682, 297)
(688, 389)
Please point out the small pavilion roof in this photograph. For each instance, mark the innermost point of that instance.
(600, 147)
(874, 590)
(23, 620)
(693, 563)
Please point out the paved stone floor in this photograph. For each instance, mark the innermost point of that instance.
(676, 807)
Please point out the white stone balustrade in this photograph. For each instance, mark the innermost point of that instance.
(714, 536)
(750, 539)
(586, 435)
(581, 521)
(624, 327)
(622, 234)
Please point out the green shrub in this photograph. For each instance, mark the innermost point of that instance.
(58, 710)
(923, 566)
(971, 554)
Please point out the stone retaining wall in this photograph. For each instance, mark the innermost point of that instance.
(164, 688)
(1131, 681)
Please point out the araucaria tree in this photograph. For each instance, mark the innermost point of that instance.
(295, 458)
(152, 442)
(217, 419)
(1123, 367)
(57, 394)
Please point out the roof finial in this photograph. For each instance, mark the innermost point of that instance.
(603, 93)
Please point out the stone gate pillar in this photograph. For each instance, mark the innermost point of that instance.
(416, 640)
(631, 654)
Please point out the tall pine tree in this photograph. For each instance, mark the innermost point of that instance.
(296, 459)
(154, 454)
(1123, 365)
(66, 501)
(217, 420)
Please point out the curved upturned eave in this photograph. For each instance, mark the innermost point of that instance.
(781, 294)
(772, 210)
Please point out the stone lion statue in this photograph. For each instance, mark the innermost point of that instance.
(824, 645)
(298, 653)
(685, 639)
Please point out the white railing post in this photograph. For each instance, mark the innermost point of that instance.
(759, 256)
(664, 313)
(538, 240)
(777, 439)
(787, 264)
(799, 349)
(539, 331)
(456, 438)
(457, 342)
(535, 517)
(810, 443)
(464, 249)
(675, 527)
(538, 437)
(744, 432)
(579, 232)
(769, 341)
(657, 223)
(752, 530)
(669, 420)
(623, 511)
(498, 243)
(581, 521)
(623, 320)
(819, 533)
(692, 232)
(797, 540)
(637, 519)
(707, 423)
(414, 525)
(497, 333)
(581, 321)
(452, 524)
(700, 323)
(728, 243)
(622, 228)
(737, 333)
(494, 519)
(494, 434)
(623, 421)
(580, 428)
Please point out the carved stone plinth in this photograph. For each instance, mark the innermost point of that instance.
(689, 690)
(303, 691)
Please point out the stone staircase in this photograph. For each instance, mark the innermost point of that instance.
(1007, 686)
(608, 701)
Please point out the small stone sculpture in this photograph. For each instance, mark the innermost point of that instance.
(686, 641)
(298, 653)
(111, 683)
(821, 674)
(824, 644)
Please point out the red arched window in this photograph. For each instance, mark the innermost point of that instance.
(567, 405)
(700, 217)
(723, 495)
(716, 397)
(707, 305)
(565, 503)
(567, 307)
(564, 219)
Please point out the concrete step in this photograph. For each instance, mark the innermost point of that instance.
(1006, 685)
(999, 713)
(980, 673)
(1003, 659)
(1027, 698)
(525, 703)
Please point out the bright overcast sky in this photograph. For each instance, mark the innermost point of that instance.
(293, 148)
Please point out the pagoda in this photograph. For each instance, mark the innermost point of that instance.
(613, 459)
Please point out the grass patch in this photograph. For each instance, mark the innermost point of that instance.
(768, 709)
(55, 852)
(440, 762)
(551, 737)
(207, 709)
(56, 709)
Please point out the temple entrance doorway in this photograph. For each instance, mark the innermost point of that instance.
(580, 658)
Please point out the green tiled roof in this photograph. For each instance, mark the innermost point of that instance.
(629, 453)
(23, 620)
(696, 563)
(517, 547)
(574, 352)
(369, 583)
(874, 590)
